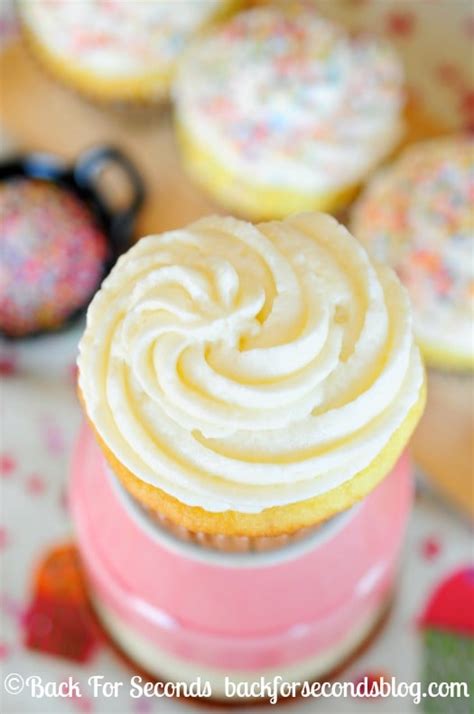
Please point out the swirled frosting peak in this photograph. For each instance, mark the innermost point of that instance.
(239, 367)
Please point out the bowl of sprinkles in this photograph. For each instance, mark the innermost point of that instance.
(58, 237)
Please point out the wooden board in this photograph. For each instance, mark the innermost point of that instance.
(42, 115)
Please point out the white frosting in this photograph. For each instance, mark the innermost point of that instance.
(240, 367)
(286, 99)
(117, 37)
(417, 215)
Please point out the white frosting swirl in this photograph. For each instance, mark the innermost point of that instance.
(287, 98)
(241, 367)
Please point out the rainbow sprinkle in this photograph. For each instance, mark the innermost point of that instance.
(52, 256)
(418, 216)
(281, 85)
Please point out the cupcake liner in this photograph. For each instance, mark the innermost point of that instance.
(226, 543)
(217, 542)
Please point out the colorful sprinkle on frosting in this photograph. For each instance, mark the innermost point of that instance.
(418, 216)
(117, 37)
(52, 256)
(287, 97)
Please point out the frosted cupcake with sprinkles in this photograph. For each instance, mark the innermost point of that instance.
(417, 215)
(279, 111)
(115, 51)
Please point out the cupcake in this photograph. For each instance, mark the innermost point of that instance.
(280, 111)
(117, 50)
(417, 216)
(250, 381)
(53, 253)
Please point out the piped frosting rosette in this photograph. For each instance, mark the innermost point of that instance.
(250, 380)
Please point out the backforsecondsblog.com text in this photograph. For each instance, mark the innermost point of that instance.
(272, 690)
